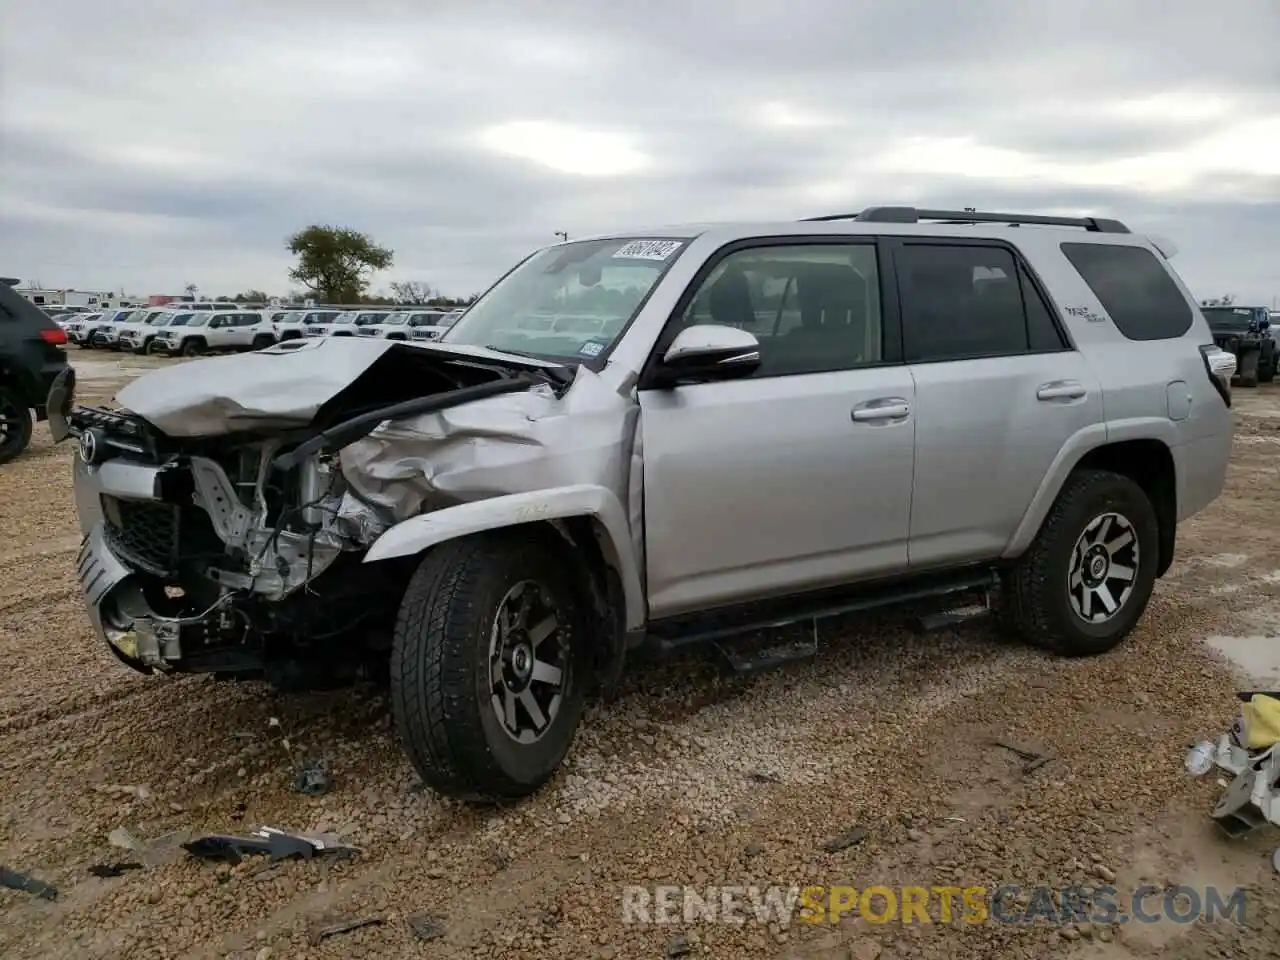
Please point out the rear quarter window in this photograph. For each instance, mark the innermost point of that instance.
(1134, 288)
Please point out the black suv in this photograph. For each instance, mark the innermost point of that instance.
(31, 356)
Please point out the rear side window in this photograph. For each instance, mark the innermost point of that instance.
(965, 301)
(1134, 288)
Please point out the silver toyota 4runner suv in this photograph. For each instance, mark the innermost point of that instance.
(771, 423)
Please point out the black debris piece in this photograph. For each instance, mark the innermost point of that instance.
(276, 844)
(845, 840)
(426, 926)
(346, 926)
(107, 871)
(312, 780)
(20, 881)
(680, 946)
(1031, 761)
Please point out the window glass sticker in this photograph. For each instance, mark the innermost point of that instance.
(591, 348)
(648, 249)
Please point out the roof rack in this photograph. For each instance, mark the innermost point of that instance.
(912, 215)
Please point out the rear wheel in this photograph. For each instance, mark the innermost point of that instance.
(262, 341)
(15, 425)
(488, 667)
(1087, 577)
(1267, 373)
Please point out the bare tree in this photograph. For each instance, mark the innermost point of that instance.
(412, 292)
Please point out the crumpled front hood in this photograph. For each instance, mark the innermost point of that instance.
(289, 384)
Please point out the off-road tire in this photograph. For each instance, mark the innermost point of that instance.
(18, 437)
(1035, 599)
(1267, 373)
(1249, 364)
(440, 691)
(192, 348)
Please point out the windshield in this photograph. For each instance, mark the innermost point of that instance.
(568, 302)
(425, 320)
(395, 319)
(345, 318)
(1228, 319)
(365, 319)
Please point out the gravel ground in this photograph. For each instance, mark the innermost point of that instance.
(686, 779)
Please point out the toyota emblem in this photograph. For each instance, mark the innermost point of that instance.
(89, 446)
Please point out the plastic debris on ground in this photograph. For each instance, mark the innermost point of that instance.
(20, 881)
(269, 841)
(108, 871)
(312, 780)
(1250, 751)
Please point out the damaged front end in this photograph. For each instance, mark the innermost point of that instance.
(221, 532)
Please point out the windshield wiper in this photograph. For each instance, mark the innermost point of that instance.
(516, 353)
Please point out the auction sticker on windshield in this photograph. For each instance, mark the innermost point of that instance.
(648, 249)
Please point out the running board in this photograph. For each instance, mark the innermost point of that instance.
(668, 636)
(746, 656)
(945, 619)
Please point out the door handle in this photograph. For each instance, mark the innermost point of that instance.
(888, 408)
(1061, 390)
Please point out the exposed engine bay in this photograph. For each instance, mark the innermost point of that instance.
(241, 525)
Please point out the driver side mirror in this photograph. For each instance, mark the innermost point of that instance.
(709, 352)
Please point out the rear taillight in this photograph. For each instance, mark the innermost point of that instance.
(55, 337)
(1221, 367)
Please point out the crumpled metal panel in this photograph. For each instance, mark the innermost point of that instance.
(509, 444)
(280, 386)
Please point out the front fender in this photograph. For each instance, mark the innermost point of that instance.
(417, 534)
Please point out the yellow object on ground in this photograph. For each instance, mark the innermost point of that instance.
(1261, 722)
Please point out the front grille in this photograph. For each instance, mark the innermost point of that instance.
(143, 533)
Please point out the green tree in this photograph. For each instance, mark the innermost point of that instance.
(251, 296)
(334, 263)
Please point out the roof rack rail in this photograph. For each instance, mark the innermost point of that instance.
(912, 215)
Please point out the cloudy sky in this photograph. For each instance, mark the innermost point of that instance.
(151, 145)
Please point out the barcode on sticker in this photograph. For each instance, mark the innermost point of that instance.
(648, 249)
(591, 348)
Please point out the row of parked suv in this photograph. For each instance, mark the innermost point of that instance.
(193, 329)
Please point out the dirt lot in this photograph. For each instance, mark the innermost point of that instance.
(686, 779)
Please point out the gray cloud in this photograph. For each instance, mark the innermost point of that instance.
(150, 146)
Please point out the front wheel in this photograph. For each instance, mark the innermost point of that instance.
(489, 666)
(1086, 578)
(15, 425)
(263, 341)
(192, 348)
